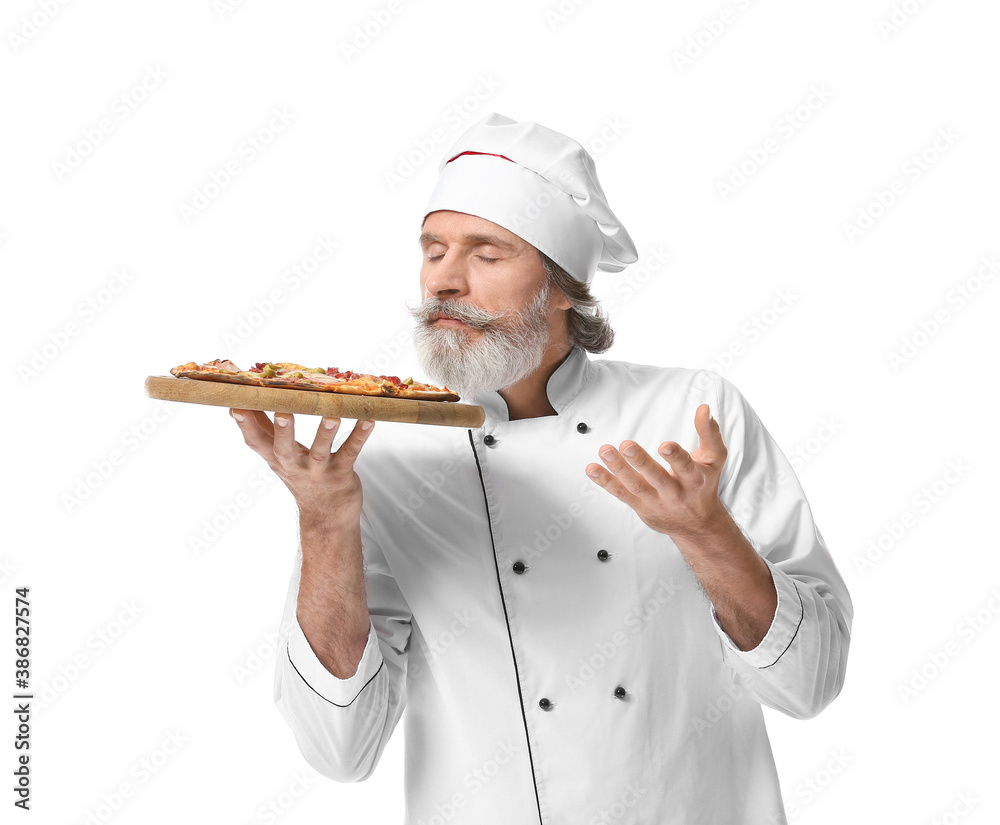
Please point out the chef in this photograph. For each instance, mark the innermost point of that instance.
(582, 604)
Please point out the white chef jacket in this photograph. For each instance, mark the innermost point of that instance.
(559, 661)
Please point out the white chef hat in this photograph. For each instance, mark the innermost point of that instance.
(540, 185)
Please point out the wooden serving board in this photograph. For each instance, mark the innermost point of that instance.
(306, 402)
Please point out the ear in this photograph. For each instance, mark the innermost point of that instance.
(559, 300)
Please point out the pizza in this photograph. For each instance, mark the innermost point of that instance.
(297, 377)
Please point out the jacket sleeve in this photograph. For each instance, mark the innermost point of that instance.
(342, 725)
(799, 666)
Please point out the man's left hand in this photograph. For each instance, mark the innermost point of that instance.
(682, 502)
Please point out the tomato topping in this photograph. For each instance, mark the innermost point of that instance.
(346, 375)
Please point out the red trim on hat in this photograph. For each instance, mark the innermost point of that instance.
(491, 154)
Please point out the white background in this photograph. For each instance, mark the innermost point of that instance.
(107, 491)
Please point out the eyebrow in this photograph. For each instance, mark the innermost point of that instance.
(474, 239)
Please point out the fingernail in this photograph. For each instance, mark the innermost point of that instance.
(329, 423)
(668, 450)
(237, 416)
(366, 425)
(629, 450)
(281, 422)
(607, 455)
(592, 472)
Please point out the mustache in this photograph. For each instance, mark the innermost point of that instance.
(467, 313)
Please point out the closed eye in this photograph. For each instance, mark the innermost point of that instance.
(484, 259)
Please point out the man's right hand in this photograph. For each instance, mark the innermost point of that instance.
(322, 482)
(331, 607)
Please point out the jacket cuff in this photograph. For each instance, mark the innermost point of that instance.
(339, 692)
(784, 625)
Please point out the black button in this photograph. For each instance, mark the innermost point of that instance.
(489, 441)
(544, 704)
(603, 555)
(620, 692)
(582, 428)
(519, 567)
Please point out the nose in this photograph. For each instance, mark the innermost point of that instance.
(447, 277)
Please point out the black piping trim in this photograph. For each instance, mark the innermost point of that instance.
(796, 633)
(320, 695)
(506, 619)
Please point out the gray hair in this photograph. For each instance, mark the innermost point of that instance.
(588, 324)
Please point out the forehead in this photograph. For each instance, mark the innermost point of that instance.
(459, 226)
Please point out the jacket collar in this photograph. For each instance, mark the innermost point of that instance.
(563, 386)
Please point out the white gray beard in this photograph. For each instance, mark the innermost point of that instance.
(505, 351)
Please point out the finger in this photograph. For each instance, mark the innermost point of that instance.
(655, 474)
(711, 448)
(649, 468)
(627, 475)
(328, 428)
(678, 458)
(254, 415)
(256, 438)
(284, 437)
(352, 445)
(263, 421)
(609, 482)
